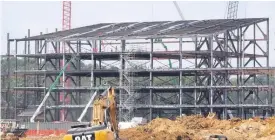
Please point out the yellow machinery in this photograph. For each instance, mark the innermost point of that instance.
(104, 113)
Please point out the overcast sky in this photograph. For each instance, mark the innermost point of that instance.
(39, 16)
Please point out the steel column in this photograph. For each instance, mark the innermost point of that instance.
(180, 76)
(151, 78)
(16, 67)
(211, 75)
(9, 77)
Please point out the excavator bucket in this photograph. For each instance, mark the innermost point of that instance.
(211, 116)
(19, 132)
(14, 134)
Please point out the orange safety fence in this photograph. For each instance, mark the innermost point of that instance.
(45, 132)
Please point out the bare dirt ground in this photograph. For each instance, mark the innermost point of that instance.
(51, 137)
(196, 128)
(200, 128)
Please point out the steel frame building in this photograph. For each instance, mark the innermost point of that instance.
(216, 48)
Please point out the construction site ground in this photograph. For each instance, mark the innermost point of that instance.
(197, 127)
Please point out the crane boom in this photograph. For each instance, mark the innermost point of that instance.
(66, 25)
(232, 9)
(178, 9)
(66, 15)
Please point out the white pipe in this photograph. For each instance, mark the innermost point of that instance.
(49, 91)
(39, 107)
(87, 106)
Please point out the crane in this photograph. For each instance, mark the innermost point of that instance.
(178, 9)
(232, 9)
(66, 25)
(232, 13)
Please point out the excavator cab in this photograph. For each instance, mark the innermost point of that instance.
(104, 112)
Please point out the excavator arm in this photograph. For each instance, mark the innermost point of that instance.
(105, 108)
(104, 112)
(112, 112)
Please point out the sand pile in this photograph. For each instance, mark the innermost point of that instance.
(200, 128)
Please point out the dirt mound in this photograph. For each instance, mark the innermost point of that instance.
(195, 127)
(199, 128)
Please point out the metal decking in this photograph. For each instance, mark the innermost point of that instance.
(145, 30)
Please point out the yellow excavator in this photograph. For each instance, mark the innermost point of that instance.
(104, 124)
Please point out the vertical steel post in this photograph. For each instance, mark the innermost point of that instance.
(66, 25)
(196, 77)
(28, 78)
(241, 97)
(151, 78)
(267, 42)
(254, 65)
(93, 65)
(16, 67)
(211, 75)
(29, 51)
(226, 75)
(36, 80)
(269, 93)
(58, 97)
(180, 76)
(62, 96)
(92, 70)
(45, 83)
(9, 77)
(94, 61)
(99, 61)
(238, 67)
(25, 96)
(122, 67)
(78, 94)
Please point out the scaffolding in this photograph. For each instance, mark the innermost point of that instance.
(127, 95)
(232, 9)
(229, 75)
